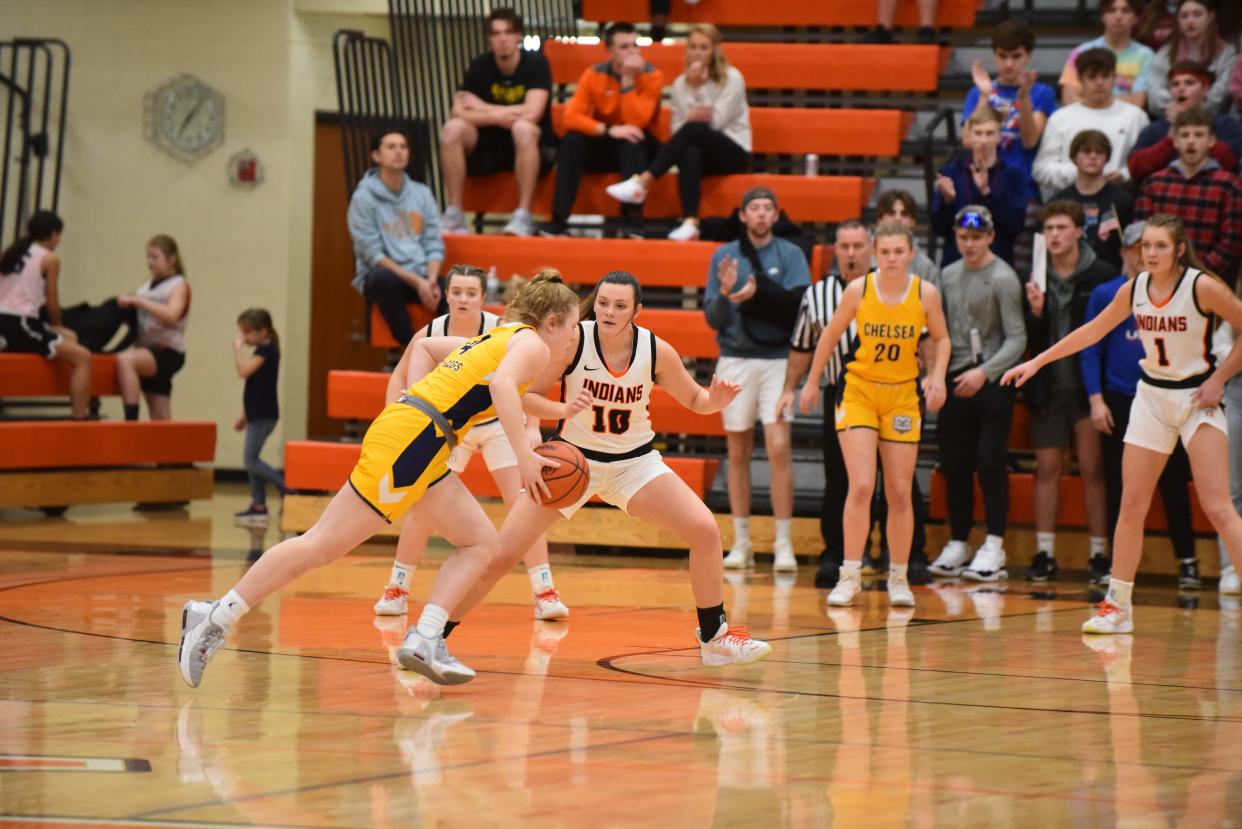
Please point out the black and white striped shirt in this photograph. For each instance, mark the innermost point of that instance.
(818, 305)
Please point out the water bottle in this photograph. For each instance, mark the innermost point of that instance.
(493, 286)
(812, 164)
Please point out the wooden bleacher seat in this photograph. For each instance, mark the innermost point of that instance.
(959, 14)
(32, 375)
(58, 463)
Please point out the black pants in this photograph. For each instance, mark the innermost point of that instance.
(384, 288)
(973, 433)
(579, 153)
(1174, 483)
(697, 150)
(836, 487)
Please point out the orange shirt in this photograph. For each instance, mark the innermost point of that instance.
(599, 99)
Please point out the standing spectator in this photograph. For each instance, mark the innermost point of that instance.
(898, 206)
(980, 178)
(1189, 81)
(983, 308)
(1023, 102)
(1060, 416)
(163, 304)
(1107, 207)
(260, 407)
(608, 124)
(711, 130)
(500, 121)
(1206, 198)
(1099, 110)
(853, 254)
(30, 283)
(395, 225)
(1133, 58)
(1110, 374)
(754, 289)
(1195, 38)
(886, 13)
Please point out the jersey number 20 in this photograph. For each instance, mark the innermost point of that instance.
(891, 352)
(617, 420)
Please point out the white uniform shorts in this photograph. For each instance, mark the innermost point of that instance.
(1158, 417)
(490, 438)
(762, 382)
(616, 482)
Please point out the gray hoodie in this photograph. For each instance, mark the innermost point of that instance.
(404, 226)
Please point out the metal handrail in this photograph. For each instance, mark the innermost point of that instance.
(945, 114)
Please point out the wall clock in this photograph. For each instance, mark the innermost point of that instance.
(184, 117)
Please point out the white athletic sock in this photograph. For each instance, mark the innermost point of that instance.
(229, 609)
(853, 567)
(741, 529)
(784, 528)
(401, 575)
(540, 578)
(994, 542)
(1045, 543)
(1119, 592)
(431, 622)
(1099, 545)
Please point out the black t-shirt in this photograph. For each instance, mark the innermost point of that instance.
(259, 398)
(485, 80)
(1113, 200)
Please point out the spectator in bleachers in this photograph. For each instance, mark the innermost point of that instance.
(608, 124)
(1235, 87)
(1107, 207)
(983, 308)
(754, 289)
(1195, 38)
(1110, 373)
(30, 286)
(1022, 101)
(1060, 416)
(1097, 109)
(710, 129)
(898, 206)
(1195, 189)
(887, 13)
(1189, 81)
(1133, 59)
(163, 305)
(501, 120)
(980, 176)
(395, 225)
(1155, 25)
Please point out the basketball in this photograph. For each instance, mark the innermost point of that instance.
(567, 482)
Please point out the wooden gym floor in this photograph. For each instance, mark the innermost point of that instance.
(982, 707)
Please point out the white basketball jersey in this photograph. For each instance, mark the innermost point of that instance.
(1176, 334)
(439, 327)
(617, 425)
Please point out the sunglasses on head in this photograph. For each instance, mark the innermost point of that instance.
(974, 221)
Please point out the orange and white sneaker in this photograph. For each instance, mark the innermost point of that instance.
(394, 602)
(1109, 618)
(731, 645)
(548, 606)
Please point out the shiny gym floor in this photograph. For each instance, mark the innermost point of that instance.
(983, 706)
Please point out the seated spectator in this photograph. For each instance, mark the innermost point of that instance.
(887, 13)
(711, 130)
(163, 305)
(1189, 81)
(1099, 110)
(30, 286)
(1133, 58)
(1206, 198)
(501, 121)
(899, 206)
(395, 225)
(983, 309)
(1156, 24)
(1110, 374)
(608, 124)
(1023, 102)
(980, 178)
(1194, 38)
(1107, 207)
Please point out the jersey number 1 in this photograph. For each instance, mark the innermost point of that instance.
(1161, 356)
(618, 420)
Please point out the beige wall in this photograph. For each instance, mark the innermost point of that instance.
(273, 64)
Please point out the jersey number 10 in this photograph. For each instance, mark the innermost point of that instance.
(617, 420)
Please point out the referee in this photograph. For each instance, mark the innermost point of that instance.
(853, 253)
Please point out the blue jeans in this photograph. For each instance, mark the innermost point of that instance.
(257, 432)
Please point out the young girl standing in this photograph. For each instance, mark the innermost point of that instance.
(163, 304)
(260, 409)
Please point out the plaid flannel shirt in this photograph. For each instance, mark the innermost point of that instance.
(1210, 203)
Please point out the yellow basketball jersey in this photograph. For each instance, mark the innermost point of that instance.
(885, 350)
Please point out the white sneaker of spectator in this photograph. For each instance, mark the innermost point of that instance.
(453, 222)
(628, 191)
(520, 224)
(687, 231)
(741, 556)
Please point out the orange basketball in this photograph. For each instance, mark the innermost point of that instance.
(569, 480)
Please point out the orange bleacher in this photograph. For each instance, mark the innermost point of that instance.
(949, 13)
(32, 375)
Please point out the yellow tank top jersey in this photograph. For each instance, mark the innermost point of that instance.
(403, 451)
(886, 348)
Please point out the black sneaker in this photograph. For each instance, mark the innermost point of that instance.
(871, 566)
(555, 227)
(253, 516)
(1098, 569)
(1043, 568)
(1188, 574)
(879, 34)
(926, 34)
(827, 574)
(917, 573)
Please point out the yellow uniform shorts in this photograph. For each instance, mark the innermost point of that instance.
(403, 453)
(892, 409)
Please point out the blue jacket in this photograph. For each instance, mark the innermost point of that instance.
(1114, 359)
(1007, 201)
(786, 266)
(403, 226)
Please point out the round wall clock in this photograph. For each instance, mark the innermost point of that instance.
(184, 117)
